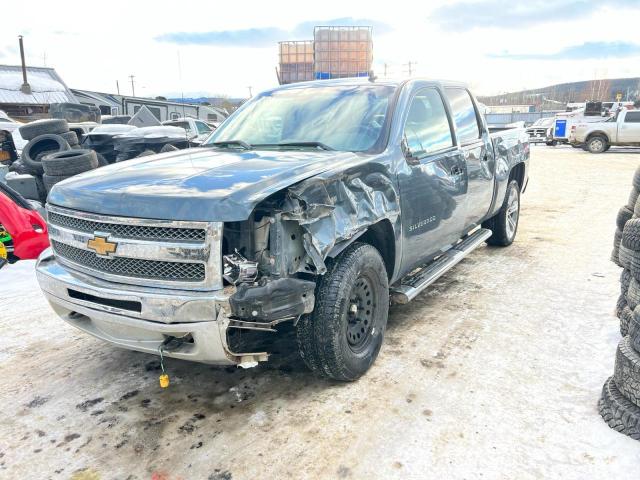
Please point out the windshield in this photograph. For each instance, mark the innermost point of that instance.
(344, 118)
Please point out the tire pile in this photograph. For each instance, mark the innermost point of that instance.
(53, 153)
(619, 404)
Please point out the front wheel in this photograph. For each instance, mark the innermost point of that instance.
(342, 337)
(504, 224)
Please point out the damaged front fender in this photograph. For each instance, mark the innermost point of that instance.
(334, 208)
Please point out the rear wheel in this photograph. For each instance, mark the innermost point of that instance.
(597, 144)
(504, 224)
(342, 337)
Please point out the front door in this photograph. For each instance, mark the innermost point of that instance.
(629, 129)
(478, 155)
(433, 183)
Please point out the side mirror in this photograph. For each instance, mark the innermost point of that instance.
(406, 151)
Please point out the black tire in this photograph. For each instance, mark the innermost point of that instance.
(597, 144)
(70, 162)
(615, 254)
(625, 258)
(53, 126)
(619, 413)
(552, 143)
(632, 260)
(633, 331)
(625, 280)
(50, 180)
(625, 320)
(633, 198)
(633, 294)
(333, 341)
(636, 208)
(624, 214)
(620, 304)
(636, 179)
(168, 148)
(505, 229)
(71, 138)
(626, 373)
(631, 235)
(102, 162)
(40, 146)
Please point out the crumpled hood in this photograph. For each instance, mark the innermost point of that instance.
(198, 184)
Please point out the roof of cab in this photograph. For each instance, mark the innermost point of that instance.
(366, 81)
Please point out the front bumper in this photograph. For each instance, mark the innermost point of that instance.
(142, 318)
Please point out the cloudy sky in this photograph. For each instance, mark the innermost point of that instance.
(206, 48)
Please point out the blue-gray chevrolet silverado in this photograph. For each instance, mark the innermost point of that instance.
(316, 203)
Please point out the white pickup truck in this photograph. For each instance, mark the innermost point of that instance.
(197, 130)
(623, 129)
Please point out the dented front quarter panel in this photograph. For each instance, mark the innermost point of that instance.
(335, 207)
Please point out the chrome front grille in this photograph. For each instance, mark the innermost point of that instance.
(132, 267)
(175, 254)
(128, 231)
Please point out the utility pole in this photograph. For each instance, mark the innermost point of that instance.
(133, 88)
(410, 64)
(118, 87)
(250, 94)
(385, 70)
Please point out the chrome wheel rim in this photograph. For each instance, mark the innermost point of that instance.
(513, 212)
(597, 145)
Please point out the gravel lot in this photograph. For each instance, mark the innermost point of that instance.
(493, 373)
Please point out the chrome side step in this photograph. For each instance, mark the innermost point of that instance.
(416, 281)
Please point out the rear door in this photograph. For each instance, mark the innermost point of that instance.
(629, 128)
(477, 150)
(432, 187)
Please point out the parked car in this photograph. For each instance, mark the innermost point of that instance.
(623, 129)
(314, 203)
(197, 130)
(542, 131)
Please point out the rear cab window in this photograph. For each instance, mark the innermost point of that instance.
(464, 115)
(632, 117)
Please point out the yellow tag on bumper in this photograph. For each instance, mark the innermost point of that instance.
(3, 251)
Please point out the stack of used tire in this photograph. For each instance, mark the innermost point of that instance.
(53, 153)
(619, 404)
(62, 165)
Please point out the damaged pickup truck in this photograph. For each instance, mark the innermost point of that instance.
(316, 203)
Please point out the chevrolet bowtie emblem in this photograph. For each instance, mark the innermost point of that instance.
(101, 246)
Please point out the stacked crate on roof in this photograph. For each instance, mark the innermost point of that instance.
(342, 52)
(296, 61)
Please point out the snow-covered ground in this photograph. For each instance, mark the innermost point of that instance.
(492, 373)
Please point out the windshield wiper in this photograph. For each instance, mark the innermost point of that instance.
(232, 143)
(319, 145)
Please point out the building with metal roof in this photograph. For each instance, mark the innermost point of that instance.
(46, 87)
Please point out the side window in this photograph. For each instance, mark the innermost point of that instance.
(632, 117)
(427, 127)
(464, 115)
